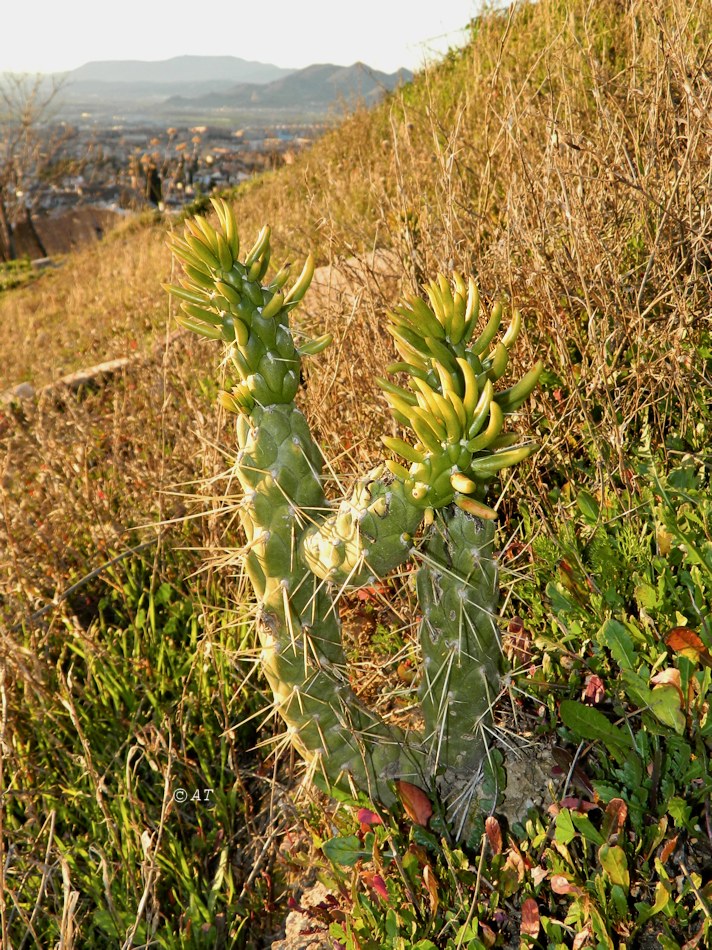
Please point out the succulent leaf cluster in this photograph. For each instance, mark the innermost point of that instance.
(223, 298)
(450, 405)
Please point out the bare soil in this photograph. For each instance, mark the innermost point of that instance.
(64, 232)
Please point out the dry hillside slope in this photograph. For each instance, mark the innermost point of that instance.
(564, 159)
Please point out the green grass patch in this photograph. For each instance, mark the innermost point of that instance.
(130, 798)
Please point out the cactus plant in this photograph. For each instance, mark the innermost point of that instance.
(302, 551)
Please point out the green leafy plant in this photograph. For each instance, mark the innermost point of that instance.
(626, 674)
(302, 553)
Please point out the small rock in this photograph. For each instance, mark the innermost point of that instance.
(21, 391)
(303, 932)
(40, 263)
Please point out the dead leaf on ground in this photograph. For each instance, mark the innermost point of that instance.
(530, 918)
(685, 641)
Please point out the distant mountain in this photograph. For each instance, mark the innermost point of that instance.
(316, 88)
(179, 69)
(196, 88)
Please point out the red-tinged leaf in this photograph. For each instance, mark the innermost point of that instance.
(417, 805)
(368, 817)
(489, 937)
(594, 690)
(685, 641)
(530, 918)
(668, 849)
(511, 875)
(494, 834)
(376, 883)
(577, 804)
(583, 938)
(524, 857)
(431, 883)
(562, 885)
(516, 863)
(373, 593)
(670, 677)
(614, 817)
(379, 886)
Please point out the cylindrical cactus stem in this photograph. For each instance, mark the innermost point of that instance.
(301, 552)
(369, 535)
(298, 623)
(348, 745)
(279, 467)
(458, 596)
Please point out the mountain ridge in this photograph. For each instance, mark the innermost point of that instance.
(319, 85)
(211, 85)
(186, 68)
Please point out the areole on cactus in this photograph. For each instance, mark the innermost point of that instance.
(303, 551)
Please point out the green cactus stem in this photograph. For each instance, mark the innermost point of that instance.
(458, 597)
(279, 468)
(301, 552)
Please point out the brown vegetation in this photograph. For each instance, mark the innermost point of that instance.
(563, 158)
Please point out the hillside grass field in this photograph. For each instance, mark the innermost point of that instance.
(564, 159)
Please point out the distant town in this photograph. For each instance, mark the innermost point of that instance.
(114, 146)
(132, 167)
(114, 172)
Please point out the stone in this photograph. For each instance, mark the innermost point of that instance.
(302, 931)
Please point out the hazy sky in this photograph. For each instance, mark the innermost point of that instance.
(59, 35)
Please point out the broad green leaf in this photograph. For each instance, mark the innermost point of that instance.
(679, 811)
(561, 603)
(589, 832)
(615, 636)
(645, 911)
(565, 831)
(631, 772)
(646, 596)
(588, 723)
(588, 506)
(637, 689)
(620, 900)
(665, 706)
(613, 862)
(601, 930)
(345, 851)
(667, 943)
(662, 898)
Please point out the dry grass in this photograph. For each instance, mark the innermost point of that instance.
(563, 158)
(104, 302)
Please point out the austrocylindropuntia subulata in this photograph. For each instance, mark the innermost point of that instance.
(303, 550)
